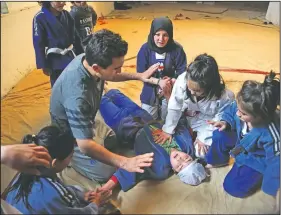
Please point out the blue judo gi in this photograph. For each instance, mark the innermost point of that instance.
(257, 156)
(54, 41)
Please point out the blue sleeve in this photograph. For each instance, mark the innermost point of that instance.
(79, 115)
(181, 62)
(261, 148)
(79, 193)
(271, 141)
(59, 206)
(229, 115)
(143, 59)
(252, 161)
(39, 43)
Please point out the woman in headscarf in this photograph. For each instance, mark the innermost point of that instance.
(160, 48)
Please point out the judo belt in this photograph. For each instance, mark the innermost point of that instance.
(237, 150)
(60, 51)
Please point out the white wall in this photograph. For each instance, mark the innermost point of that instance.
(17, 54)
(273, 13)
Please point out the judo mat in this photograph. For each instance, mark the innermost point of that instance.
(242, 51)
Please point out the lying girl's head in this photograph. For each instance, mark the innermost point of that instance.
(257, 102)
(203, 78)
(189, 171)
(60, 147)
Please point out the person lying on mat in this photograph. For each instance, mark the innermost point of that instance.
(136, 127)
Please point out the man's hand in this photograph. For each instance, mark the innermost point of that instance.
(162, 138)
(149, 72)
(221, 125)
(135, 164)
(47, 71)
(25, 157)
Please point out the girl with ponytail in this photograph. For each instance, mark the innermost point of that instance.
(46, 193)
(249, 132)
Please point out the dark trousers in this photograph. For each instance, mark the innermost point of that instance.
(54, 76)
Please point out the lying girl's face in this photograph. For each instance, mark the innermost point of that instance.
(161, 38)
(194, 88)
(58, 5)
(179, 160)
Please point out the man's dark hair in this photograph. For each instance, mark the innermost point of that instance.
(103, 46)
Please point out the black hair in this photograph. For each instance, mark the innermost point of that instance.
(204, 70)
(59, 145)
(260, 99)
(103, 46)
(46, 4)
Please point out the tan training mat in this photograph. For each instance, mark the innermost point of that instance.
(234, 45)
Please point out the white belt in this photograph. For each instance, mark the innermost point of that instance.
(60, 51)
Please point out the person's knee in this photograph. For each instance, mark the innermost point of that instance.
(233, 188)
(222, 140)
(104, 100)
(112, 92)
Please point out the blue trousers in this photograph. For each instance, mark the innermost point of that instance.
(242, 181)
(114, 107)
(222, 143)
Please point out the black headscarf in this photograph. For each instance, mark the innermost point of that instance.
(165, 24)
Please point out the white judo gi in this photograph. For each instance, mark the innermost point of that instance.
(197, 113)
